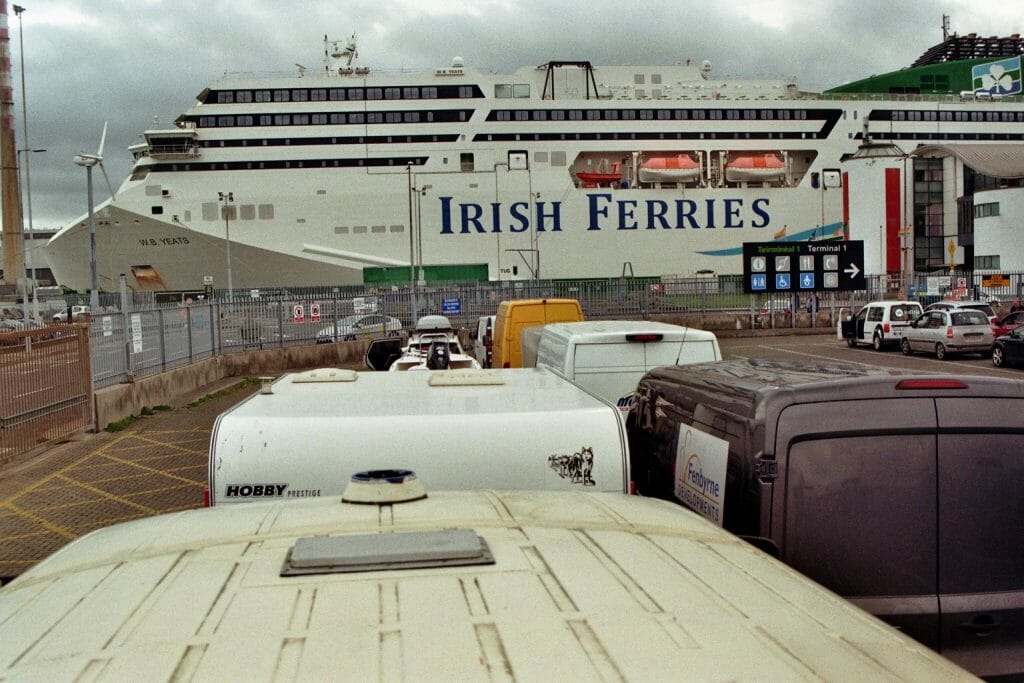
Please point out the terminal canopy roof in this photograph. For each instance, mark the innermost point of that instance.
(995, 160)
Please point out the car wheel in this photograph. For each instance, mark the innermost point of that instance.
(940, 351)
(998, 359)
(905, 347)
(876, 342)
(851, 342)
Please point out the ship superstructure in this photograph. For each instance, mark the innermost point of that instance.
(346, 175)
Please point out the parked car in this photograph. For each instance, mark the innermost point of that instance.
(1008, 349)
(944, 331)
(77, 313)
(879, 323)
(483, 340)
(1006, 325)
(360, 327)
(976, 305)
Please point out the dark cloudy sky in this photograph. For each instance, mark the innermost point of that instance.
(136, 62)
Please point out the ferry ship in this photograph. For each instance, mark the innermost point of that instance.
(346, 175)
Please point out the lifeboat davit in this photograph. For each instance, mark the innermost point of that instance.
(674, 169)
(601, 177)
(755, 167)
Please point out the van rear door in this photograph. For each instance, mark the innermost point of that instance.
(874, 543)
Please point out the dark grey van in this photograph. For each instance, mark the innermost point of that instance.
(903, 493)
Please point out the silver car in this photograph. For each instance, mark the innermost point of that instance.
(360, 327)
(958, 330)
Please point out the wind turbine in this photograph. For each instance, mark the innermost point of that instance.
(90, 160)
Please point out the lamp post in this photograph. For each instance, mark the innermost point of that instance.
(18, 10)
(226, 199)
(28, 251)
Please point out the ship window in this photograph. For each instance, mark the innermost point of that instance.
(646, 115)
(355, 93)
(466, 161)
(247, 212)
(558, 115)
(410, 93)
(243, 121)
(558, 158)
(261, 96)
(593, 115)
(341, 230)
(465, 91)
(265, 211)
(393, 117)
(540, 157)
(392, 93)
(266, 120)
(575, 115)
(521, 90)
(681, 114)
(282, 119)
(379, 229)
(319, 119)
(374, 93)
(210, 211)
(628, 114)
(540, 115)
(522, 116)
(462, 116)
(243, 96)
(318, 94)
(300, 95)
(611, 115)
(225, 121)
(411, 117)
(732, 115)
(358, 229)
(357, 118)
(428, 93)
(225, 97)
(336, 94)
(337, 118)
(502, 90)
(156, 210)
(664, 114)
(638, 79)
(699, 114)
(300, 119)
(280, 95)
(375, 117)
(986, 262)
(207, 121)
(715, 114)
(655, 79)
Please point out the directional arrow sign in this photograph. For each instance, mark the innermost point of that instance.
(825, 265)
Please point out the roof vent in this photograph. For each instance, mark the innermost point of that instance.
(383, 487)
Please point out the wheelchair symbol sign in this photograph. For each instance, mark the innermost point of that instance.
(782, 281)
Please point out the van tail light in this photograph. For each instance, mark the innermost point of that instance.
(632, 487)
(885, 328)
(949, 333)
(507, 364)
(644, 337)
(206, 498)
(930, 384)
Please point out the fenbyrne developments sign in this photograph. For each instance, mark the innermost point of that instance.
(794, 267)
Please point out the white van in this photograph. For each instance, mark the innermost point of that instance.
(609, 357)
(459, 429)
(451, 586)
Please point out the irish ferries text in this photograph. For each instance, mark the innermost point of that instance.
(605, 213)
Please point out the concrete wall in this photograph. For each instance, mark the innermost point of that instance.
(180, 385)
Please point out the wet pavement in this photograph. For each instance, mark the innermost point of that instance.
(155, 465)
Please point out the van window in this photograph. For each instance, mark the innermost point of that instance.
(907, 312)
(665, 353)
(980, 520)
(610, 355)
(860, 513)
(875, 314)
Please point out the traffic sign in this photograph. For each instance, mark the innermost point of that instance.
(298, 313)
(314, 313)
(808, 266)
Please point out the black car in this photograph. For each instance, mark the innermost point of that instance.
(1009, 348)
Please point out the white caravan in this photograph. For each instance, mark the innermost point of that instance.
(459, 429)
(453, 586)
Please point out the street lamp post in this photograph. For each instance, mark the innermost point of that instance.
(18, 10)
(226, 199)
(30, 259)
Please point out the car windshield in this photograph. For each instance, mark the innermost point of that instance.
(969, 316)
(984, 308)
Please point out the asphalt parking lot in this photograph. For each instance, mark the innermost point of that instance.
(158, 464)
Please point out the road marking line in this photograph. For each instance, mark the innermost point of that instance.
(60, 531)
(111, 496)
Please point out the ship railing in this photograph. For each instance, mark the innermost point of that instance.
(174, 151)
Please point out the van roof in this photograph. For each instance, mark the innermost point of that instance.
(753, 386)
(604, 330)
(583, 587)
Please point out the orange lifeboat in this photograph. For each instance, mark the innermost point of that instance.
(599, 178)
(755, 167)
(675, 169)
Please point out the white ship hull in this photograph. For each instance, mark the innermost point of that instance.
(319, 202)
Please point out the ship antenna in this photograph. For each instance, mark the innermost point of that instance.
(945, 27)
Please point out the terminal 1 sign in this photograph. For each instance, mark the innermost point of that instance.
(794, 267)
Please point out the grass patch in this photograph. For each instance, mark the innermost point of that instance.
(244, 384)
(121, 425)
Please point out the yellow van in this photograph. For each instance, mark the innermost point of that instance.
(514, 316)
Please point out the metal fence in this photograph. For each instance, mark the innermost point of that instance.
(45, 391)
(150, 337)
